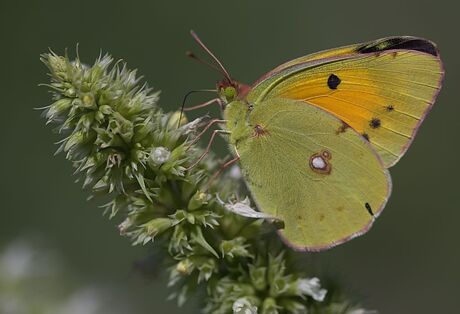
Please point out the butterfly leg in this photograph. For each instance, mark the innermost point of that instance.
(221, 169)
(217, 101)
(205, 104)
(208, 148)
(211, 123)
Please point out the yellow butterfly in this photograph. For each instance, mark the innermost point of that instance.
(315, 136)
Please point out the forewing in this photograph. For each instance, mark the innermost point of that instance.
(379, 45)
(326, 186)
(383, 89)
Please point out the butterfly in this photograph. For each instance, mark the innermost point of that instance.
(315, 136)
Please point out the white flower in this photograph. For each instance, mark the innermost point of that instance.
(311, 287)
(160, 155)
(243, 306)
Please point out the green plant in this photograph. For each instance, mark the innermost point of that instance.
(124, 147)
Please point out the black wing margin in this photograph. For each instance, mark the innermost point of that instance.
(405, 42)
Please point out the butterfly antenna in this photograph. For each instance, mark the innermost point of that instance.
(220, 67)
(212, 66)
(185, 99)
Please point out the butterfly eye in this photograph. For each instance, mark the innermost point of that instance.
(229, 93)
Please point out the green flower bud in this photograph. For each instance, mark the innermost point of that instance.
(235, 248)
(87, 120)
(173, 121)
(258, 277)
(156, 226)
(198, 200)
(121, 126)
(104, 109)
(293, 306)
(138, 155)
(57, 65)
(76, 138)
(70, 92)
(279, 285)
(269, 306)
(88, 100)
(58, 108)
(185, 267)
(99, 116)
(206, 268)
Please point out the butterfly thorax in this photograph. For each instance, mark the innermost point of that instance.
(236, 113)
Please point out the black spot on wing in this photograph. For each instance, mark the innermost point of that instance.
(333, 81)
(366, 136)
(342, 128)
(369, 209)
(375, 123)
(389, 108)
(404, 43)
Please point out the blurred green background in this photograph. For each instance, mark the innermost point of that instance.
(408, 263)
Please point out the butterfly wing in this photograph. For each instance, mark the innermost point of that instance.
(327, 187)
(382, 89)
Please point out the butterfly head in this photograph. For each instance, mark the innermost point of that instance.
(230, 90)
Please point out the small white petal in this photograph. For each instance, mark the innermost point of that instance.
(312, 287)
(160, 155)
(243, 306)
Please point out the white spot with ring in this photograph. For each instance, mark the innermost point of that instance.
(318, 163)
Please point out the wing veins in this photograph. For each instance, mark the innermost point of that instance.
(327, 147)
